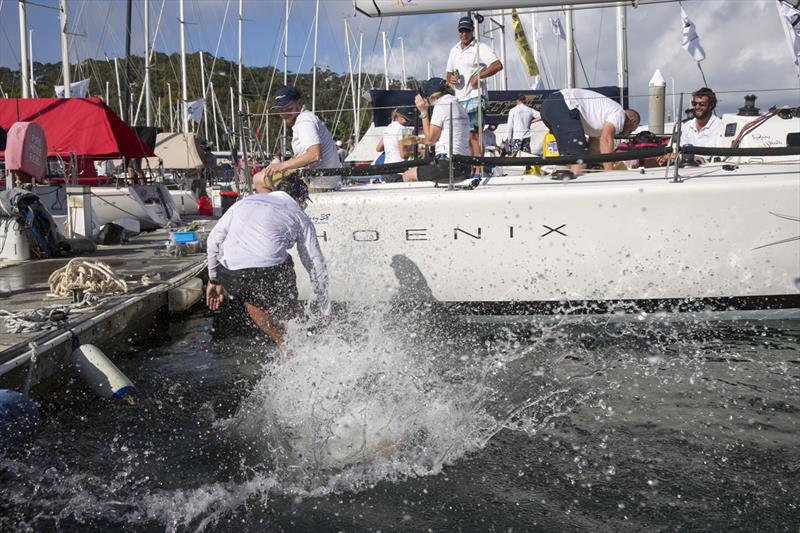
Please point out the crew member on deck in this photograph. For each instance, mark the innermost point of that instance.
(436, 125)
(520, 119)
(704, 128)
(248, 254)
(396, 139)
(574, 114)
(312, 143)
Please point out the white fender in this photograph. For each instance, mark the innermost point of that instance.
(184, 296)
(99, 373)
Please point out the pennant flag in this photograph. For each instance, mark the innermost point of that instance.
(558, 29)
(690, 40)
(195, 110)
(79, 89)
(791, 17)
(523, 46)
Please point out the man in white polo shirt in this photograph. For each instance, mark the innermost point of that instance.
(468, 64)
(574, 114)
(312, 143)
(520, 118)
(703, 129)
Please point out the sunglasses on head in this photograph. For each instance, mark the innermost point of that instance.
(699, 104)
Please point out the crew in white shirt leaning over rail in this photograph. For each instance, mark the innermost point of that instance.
(436, 126)
(520, 119)
(248, 254)
(312, 143)
(574, 114)
(468, 64)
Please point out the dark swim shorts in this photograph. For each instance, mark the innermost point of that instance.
(272, 289)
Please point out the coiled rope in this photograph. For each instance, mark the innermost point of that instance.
(90, 277)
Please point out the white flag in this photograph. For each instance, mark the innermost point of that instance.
(195, 110)
(558, 29)
(538, 84)
(79, 89)
(690, 40)
(791, 17)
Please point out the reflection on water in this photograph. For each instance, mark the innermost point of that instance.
(396, 420)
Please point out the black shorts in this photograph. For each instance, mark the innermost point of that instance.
(565, 124)
(272, 289)
(439, 171)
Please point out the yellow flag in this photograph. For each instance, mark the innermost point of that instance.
(523, 46)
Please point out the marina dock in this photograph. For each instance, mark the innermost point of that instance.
(38, 356)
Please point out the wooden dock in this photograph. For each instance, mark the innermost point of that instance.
(36, 360)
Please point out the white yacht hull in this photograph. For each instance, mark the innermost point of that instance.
(607, 241)
(151, 204)
(185, 201)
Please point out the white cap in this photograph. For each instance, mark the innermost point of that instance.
(338, 143)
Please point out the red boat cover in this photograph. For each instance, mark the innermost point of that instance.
(85, 126)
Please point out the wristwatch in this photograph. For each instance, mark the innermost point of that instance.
(214, 282)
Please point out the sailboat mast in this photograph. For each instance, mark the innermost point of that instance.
(403, 61)
(286, 46)
(239, 87)
(62, 16)
(622, 49)
(350, 69)
(314, 68)
(171, 113)
(214, 113)
(148, 117)
(203, 82)
(184, 90)
(504, 72)
(119, 87)
(358, 100)
(570, 48)
(23, 50)
(385, 61)
(126, 101)
(30, 54)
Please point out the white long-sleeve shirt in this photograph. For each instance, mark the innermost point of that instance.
(259, 230)
(520, 118)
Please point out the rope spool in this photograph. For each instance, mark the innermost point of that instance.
(90, 277)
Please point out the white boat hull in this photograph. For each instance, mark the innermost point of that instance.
(720, 238)
(185, 201)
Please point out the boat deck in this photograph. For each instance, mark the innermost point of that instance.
(24, 288)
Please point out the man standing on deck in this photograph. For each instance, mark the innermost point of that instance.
(312, 143)
(574, 114)
(468, 64)
(520, 119)
(248, 254)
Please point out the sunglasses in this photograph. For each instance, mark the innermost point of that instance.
(464, 30)
(699, 104)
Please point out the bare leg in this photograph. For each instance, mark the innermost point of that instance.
(410, 174)
(266, 323)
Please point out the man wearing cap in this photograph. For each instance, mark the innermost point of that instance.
(312, 143)
(574, 114)
(394, 141)
(436, 126)
(248, 254)
(468, 63)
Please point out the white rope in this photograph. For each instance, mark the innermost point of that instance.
(90, 277)
(49, 317)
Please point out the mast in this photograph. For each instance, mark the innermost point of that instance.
(285, 46)
(119, 87)
(30, 54)
(622, 49)
(23, 50)
(385, 61)
(108, 92)
(504, 79)
(214, 112)
(358, 100)
(203, 81)
(184, 91)
(241, 20)
(148, 118)
(352, 81)
(314, 68)
(171, 112)
(403, 62)
(570, 49)
(62, 16)
(126, 101)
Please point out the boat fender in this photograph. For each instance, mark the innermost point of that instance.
(18, 415)
(99, 373)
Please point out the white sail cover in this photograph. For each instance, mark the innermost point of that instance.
(391, 8)
(78, 89)
(178, 151)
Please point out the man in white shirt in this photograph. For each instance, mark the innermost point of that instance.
(312, 143)
(574, 114)
(468, 64)
(248, 254)
(436, 127)
(520, 119)
(703, 129)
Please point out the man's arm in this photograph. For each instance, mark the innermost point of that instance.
(312, 155)
(404, 148)
(379, 146)
(215, 240)
(606, 143)
(487, 72)
(314, 262)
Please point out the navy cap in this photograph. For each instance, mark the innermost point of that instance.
(433, 85)
(465, 23)
(405, 112)
(286, 95)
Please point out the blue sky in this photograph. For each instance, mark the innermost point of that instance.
(746, 48)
